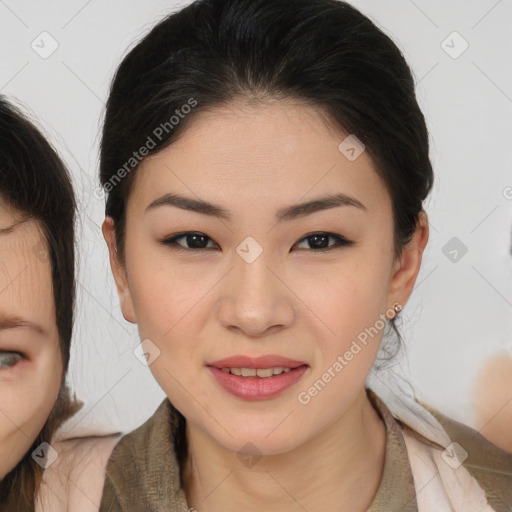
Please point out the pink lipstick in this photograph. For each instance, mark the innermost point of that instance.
(257, 378)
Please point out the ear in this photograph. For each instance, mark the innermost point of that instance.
(407, 265)
(118, 271)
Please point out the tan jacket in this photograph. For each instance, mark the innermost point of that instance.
(143, 473)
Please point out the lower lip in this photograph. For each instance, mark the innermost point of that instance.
(257, 388)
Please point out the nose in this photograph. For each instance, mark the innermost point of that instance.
(256, 300)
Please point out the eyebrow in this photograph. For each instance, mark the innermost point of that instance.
(12, 227)
(13, 322)
(287, 213)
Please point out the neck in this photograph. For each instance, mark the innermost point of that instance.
(338, 470)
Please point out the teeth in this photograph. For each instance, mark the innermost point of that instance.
(264, 372)
(260, 372)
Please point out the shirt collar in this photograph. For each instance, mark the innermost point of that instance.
(396, 488)
(156, 485)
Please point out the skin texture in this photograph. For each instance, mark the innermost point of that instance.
(492, 400)
(29, 388)
(293, 300)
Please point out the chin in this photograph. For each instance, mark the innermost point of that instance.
(257, 443)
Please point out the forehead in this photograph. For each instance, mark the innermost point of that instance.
(254, 152)
(26, 288)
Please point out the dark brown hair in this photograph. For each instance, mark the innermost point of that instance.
(34, 180)
(324, 52)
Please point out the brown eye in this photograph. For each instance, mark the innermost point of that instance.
(192, 241)
(9, 359)
(320, 241)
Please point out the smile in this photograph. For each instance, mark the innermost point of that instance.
(257, 372)
(257, 383)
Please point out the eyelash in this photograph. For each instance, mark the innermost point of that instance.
(10, 354)
(171, 241)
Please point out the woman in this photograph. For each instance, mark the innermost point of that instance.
(37, 211)
(266, 164)
(37, 290)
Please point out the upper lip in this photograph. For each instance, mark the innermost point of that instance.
(267, 361)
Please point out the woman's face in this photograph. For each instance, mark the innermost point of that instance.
(257, 281)
(30, 360)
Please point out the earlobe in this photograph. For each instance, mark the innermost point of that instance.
(407, 265)
(118, 271)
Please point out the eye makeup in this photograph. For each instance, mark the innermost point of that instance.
(194, 236)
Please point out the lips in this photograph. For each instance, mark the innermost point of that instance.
(267, 361)
(287, 372)
(256, 388)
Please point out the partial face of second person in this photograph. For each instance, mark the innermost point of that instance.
(30, 359)
(198, 300)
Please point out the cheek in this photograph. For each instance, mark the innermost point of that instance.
(162, 299)
(166, 291)
(345, 298)
(171, 306)
(347, 338)
(29, 395)
(26, 402)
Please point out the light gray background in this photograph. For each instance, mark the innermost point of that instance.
(460, 312)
